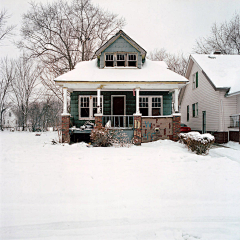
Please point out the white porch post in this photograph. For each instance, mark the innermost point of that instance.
(176, 100)
(65, 101)
(137, 100)
(98, 100)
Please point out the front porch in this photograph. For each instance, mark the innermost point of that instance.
(234, 129)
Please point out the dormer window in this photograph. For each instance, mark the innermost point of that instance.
(132, 60)
(109, 62)
(120, 60)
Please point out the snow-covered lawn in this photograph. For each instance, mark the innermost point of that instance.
(157, 191)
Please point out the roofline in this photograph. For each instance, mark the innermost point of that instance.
(233, 94)
(114, 38)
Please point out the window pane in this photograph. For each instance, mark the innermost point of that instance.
(156, 111)
(144, 111)
(84, 112)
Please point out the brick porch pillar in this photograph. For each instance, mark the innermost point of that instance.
(137, 133)
(65, 128)
(98, 120)
(176, 126)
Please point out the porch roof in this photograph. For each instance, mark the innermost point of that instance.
(152, 72)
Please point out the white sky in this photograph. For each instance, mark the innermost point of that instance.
(172, 24)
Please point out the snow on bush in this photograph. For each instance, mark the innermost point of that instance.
(196, 142)
(104, 137)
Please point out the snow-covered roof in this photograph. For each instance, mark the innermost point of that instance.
(223, 70)
(152, 71)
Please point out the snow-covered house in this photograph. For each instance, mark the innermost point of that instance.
(211, 100)
(10, 120)
(124, 89)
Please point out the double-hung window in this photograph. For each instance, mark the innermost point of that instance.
(195, 80)
(132, 60)
(150, 105)
(88, 106)
(109, 60)
(120, 60)
(195, 110)
(187, 113)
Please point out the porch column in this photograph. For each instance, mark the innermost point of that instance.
(137, 129)
(64, 100)
(137, 100)
(176, 100)
(98, 100)
(65, 119)
(176, 126)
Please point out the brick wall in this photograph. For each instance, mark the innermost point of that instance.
(155, 128)
(176, 127)
(137, 130)
(65, 129)
(221, 137)
(98, 121)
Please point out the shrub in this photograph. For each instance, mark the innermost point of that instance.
(196, 142)
(104, 137)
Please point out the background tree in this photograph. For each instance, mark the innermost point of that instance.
(7, 74)
(176, 63)
(5, 30)
(23, 86)
(61, 34)
(224, 37)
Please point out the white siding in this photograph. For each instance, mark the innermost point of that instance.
(208, 100)
(229, 108)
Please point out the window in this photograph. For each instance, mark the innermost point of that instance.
(88, 106)
(195, 110)
(187, 113)
(10, 114)
(195, 80)
(16, 121)
(150, 105)
(120, 60)
(132, 60)
(109, 62)
(143, 105)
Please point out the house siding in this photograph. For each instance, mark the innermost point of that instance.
(121, 45)
(207, 98)
(130, 103)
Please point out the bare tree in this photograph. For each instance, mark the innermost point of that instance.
(61, 34)
(5, 30)
(24, 84)
(224, 37)
(176, 63)
(7, 74)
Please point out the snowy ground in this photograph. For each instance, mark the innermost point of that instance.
(157, 191)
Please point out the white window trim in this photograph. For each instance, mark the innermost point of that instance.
(150, 104)
(125, 59)
(194, 80)
(90, 107)
(196, 110)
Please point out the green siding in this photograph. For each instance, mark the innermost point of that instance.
(130, 103)
(120, 45)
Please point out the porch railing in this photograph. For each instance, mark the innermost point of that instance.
(234, 121)
(118, 121)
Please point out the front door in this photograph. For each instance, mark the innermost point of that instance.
(118, 106)
(203, 121)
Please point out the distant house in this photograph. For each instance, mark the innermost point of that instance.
(10, 120)
(126, 90)
(211, 100)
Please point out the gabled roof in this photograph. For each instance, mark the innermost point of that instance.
(121, 33)
(223, 71)
(152, 71)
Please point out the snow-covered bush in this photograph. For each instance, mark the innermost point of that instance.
(196, 142)
(105, 137)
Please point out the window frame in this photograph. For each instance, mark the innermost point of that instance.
(195, 80)
(150, 102)
(195, 110)
(187, 113)
(126, 60)
(91, 106)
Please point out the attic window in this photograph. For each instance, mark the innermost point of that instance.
(132, 60)
(120, 60)
(109, 62)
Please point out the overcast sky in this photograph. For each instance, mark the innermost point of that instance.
(172, 24)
